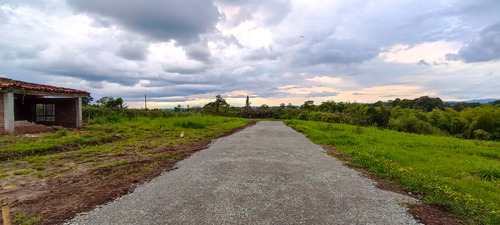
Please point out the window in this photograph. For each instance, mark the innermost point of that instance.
(45, 112)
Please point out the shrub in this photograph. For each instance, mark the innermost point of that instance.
(482, 135)
(190, 124)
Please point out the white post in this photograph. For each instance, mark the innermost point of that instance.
(78, 109)
(8, 112)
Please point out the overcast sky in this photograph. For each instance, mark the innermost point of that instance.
(276, 51)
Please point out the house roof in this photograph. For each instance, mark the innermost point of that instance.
(10, 85)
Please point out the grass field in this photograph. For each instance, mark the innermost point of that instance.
(461, 175)
(106, 138)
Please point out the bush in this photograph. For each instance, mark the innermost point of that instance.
(190, 124)
(482, 135)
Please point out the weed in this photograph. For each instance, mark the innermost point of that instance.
(19, 217)
(190, 124)
(148, 168)
(21, 172)
(39, 168)
(490, 174)
(118, 163)
(174, 157)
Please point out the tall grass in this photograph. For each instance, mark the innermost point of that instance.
(462, 175)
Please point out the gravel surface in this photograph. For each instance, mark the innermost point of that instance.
(265, 174)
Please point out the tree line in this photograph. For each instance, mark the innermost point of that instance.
(424, 115)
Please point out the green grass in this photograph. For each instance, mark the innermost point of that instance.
(462, 175)
(110, 137)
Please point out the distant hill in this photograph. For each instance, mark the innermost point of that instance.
(481, 101)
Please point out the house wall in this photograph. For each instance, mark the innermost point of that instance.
(7, 114)
(65, 114)
(2, 123)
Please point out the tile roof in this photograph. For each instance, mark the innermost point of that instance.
(6, 84)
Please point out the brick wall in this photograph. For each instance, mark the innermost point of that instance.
(66, 113)
(2, 123)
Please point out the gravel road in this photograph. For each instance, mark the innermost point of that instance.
(264, 174)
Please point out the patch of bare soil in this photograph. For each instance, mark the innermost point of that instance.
(61, 198)
(424, 213)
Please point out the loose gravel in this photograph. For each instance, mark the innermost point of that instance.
(264, 174)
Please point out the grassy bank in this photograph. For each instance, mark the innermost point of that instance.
(461, 175)
(116, 135)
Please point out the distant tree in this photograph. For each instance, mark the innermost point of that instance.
(87, 100)
(379, 115)
(427, 103)
(330, 106)
(247, 111)
(110, 102)
(215, 108)
(178, 108)
(264, 111)
(308, 105)
(395, 102)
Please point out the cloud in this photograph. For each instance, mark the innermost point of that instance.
(133, 51)
(484, 47)
(336, 51)
(265, 12)
(177, 51)
(162, 20)
(423, 62)
(185, 70)
(262, 54)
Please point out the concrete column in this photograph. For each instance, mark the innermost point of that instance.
(8, 106)
(78, 110)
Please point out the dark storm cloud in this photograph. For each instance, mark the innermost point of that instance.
(133, 51)
(335, 51)
(164, 20)
(21, 52)
(198, 52)
(485, 47)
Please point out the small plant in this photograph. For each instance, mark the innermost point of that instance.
(490, 174)
(39, 168)
(22, 172)
(19, 217)
(118, 163)
(190, 124)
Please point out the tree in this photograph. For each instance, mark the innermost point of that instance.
(308, 105)
(247, 112)
(178, 108)
(110, 102)
(427, 103)
(87, 100)
(379, 115)
(215, 108)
